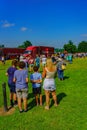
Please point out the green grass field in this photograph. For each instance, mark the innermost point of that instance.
(71, 113)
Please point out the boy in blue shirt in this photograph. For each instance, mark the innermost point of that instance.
(36, 80)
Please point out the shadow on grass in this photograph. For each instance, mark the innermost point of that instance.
(33, 102)
(59, 98)
(66, 77)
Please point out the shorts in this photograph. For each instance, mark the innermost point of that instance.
(37, 90)
(12, 88)
(49, 84)
(22, 93)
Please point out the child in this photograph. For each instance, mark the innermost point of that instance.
(11, 84)
(36, 80)
(21, 81)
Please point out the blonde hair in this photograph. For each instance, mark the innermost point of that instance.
(49, 63)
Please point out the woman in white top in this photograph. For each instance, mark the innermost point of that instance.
(49, 82)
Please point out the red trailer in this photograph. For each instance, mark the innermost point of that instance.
(40, 50)
(11, 53)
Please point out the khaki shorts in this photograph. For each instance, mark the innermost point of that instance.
(22, 93)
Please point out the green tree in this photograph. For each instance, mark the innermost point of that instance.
(2, 46)
(70, 47)
(82, 47)
(25, 44)
(58, 50)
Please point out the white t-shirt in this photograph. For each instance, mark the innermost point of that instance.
(44, 60)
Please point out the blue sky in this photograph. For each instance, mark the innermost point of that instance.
(43, 22)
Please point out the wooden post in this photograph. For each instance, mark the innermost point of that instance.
(4, 96)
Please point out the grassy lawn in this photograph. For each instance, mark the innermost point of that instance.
(71, 113)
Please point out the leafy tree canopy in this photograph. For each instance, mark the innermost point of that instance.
(25, 44)
(70, 47)
(82, 47)
(2, 46)
(58, 50)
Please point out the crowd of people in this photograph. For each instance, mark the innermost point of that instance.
(18, 79)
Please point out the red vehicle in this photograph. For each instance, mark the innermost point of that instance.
(40, 50)
(11, 53)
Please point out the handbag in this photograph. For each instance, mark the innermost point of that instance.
(63, 67)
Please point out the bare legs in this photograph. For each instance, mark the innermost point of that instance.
(47, 93)
(37, 100)
(24, 103)
(20, 104)
(54, 97)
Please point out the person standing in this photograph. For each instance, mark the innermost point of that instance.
(36, 80)
(37, 61)
(11, 84)
(30, 62)
(60, 71)
(49, 82)
(21, 81)
(43, 60)
(3, 59)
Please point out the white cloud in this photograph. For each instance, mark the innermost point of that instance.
(84, 35)
(23, 28)
(6, 24)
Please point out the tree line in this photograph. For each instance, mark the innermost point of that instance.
(70, 47)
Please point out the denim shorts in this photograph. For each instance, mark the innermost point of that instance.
(22, 93)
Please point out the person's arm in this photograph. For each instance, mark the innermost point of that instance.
(36, 81)
(44, 73)
(26, 76)
(27, 80)
(31, 79)
(6, 74)
(14, 78)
